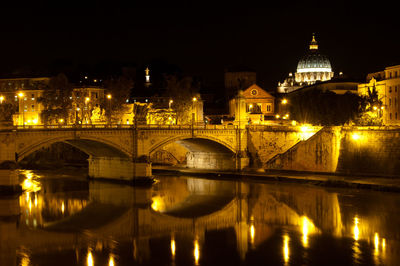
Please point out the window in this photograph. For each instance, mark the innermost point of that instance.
(390, 89)
(390, 116)
(269, 108)
(390, 102)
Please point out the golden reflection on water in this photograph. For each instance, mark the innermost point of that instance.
(356, 229)
(157, 204)
(286, 251)
(25, 260)
(252, 234)
(296, 209)
(89, 259)
(356, 236)
(307, 228)
(196, 252)
(33, 202)
(173, 247)
(111, 261)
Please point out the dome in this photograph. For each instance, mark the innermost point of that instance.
(314, 61)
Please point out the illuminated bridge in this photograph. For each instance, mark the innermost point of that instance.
(123, 151)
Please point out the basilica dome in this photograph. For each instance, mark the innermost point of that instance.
(314, 62)
(313, 66)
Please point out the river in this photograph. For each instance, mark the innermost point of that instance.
(62, 218)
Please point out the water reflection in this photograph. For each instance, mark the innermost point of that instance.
(173, 247)
(286, 252)
(89, 258)
(187, 221)
(111, 260)
(196, 252)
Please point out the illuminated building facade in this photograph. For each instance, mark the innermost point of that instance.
(24, 93)
(86, 103)
(259, 104)
(311, 68)
(387, 85)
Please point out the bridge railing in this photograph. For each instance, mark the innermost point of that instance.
(120, 126)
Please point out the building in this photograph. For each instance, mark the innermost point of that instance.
(238, 78)
(86, 104)
(387, 85)
(25, 94)
(311, 68)
(260, 105)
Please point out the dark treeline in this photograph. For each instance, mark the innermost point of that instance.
(325, 107)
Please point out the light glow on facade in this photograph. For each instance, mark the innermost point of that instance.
(314, 69)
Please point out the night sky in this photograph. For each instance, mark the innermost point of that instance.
(201, 40)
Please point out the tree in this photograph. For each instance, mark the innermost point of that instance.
(182, 91)
(56, 100)
(371, 109)
(119, 90)
(7, 109)
(324, 107)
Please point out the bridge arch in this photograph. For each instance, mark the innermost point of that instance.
(90, 145)
(201, 152)
(222, 145)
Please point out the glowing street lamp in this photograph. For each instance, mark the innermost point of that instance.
(194, 99)
(1, 99)
(284, 101)
(21, 96)
(169, 104)
(109, 97)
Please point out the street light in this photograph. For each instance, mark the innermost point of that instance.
(169, 104)
(1, 99)
(193, 111)
(20, 96)
(87, 99)
(109, 97)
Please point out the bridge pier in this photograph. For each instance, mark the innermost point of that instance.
(118, 168)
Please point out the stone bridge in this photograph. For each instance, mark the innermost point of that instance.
(123, 152)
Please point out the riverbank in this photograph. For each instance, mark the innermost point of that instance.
(378, 183)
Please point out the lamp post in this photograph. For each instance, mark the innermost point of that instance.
(109, 97)
(193, 110)
(21, 96)
(170, 111)
(87, 99)
(76, 116)
(1, 99)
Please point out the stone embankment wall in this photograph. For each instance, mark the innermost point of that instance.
(349, 150)
(266, 142)
(370, 151)
(319, 153)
